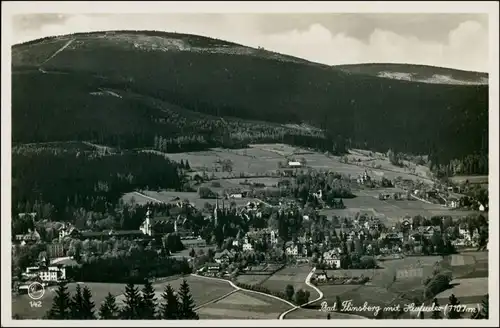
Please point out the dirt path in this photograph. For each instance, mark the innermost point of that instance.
(216, 299)
(58, 51)
(151, 198)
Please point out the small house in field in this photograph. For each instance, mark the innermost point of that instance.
(31, 215)
(321, 277)
(212, 269)
(294, 164)
(235, 196)
(192, 242)
(452, 202)
(292, 249)
(223, 257)
(30, 237)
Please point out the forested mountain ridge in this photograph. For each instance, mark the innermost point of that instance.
(88, 79)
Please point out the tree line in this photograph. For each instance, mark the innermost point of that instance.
(134, 266)
(57, 182)
(137, 305)
(472, 164)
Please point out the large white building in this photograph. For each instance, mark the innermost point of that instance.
(50, 273)
(274, 237)
(247, 246)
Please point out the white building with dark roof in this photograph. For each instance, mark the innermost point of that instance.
(294, 164)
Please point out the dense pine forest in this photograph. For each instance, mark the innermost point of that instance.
(58, 180)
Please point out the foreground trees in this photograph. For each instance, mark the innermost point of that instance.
(138, 304)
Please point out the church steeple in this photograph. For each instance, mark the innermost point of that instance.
(147, 225)
(216, 210)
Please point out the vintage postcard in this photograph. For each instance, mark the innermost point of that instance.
(240, 161)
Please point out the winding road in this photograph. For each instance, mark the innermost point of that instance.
(308, 283)
(282, 315)
(236, 288)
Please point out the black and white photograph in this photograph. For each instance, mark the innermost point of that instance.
(212, 162)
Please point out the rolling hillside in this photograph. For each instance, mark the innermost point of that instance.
(418, 73)
(122, 87)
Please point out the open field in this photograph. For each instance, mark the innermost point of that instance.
(474, 179)
(21, 303)
(391, 211)
(233, 184)
(316, 314)
(203, 291)
(249, 160)
(382, 289)
(350, 272)
(280, 150)
(417, 267)
(268, 182)
(252, 279)
(407, 207)
(244, 305)
(294, 275)
(373, 295)
(466, 288)
(185, 252)
(468, 265)
(379, 160)
(264, 158)
(168, 196)
(332, 291)
(470, 292)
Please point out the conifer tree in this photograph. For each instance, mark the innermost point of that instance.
(453, 312)
(61, 304)
(338, 304)
(76, 304)
(149, 302)
(87, 310)
(186, 308)
(132, 301)
(484, 310)
(169, 309)
(108, 310)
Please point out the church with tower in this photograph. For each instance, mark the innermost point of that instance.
(160, 225)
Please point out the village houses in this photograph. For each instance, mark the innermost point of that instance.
(332, 258)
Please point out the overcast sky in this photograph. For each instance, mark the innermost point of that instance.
(450, 40)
